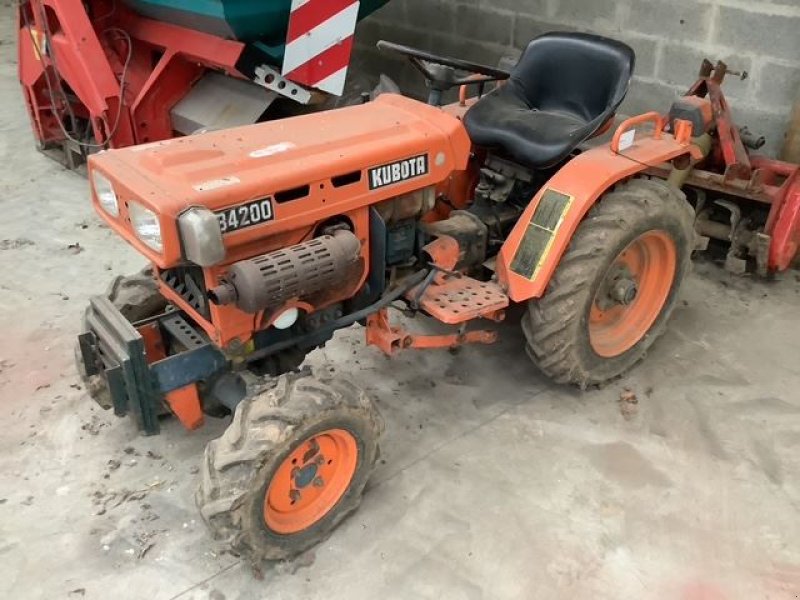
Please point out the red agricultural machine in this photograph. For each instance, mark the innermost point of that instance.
(101, 74)
(266, 239)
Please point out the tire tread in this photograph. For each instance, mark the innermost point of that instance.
(549, 323)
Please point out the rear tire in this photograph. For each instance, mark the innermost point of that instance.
(249, 474)
(642, 231)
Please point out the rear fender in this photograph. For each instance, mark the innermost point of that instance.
(530, 255)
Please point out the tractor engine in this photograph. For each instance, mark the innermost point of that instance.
(306, 272)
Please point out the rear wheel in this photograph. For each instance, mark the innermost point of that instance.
(292, 464)
(615, 287)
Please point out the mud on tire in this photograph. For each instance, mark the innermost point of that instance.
(238, 467)
(136, 296)
(556, 326)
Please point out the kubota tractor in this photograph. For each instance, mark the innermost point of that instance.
(264, 240)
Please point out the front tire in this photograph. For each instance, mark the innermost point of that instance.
(615, 287)
(292, 465)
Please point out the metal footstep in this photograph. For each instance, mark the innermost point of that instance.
(456, 300)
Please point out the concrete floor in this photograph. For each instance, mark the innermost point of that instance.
(494, 483)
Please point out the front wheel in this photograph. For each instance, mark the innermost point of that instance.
(615, 287)
(292, 464)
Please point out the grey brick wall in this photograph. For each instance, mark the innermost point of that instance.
(670, 38)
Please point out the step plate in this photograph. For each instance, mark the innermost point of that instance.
(458, 300)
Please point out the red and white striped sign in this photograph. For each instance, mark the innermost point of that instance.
(319, 43)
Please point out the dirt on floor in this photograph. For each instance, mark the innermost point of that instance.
(680, 481)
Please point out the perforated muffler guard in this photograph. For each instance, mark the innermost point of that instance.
(269, 280)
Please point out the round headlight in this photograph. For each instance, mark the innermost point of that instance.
(146, 225)
(106, 195)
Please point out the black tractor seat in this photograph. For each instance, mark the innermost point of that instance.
(565, 87)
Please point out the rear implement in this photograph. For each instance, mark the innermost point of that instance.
(748, 205)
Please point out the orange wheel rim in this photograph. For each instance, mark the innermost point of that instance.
(632, 294)
(310, 481)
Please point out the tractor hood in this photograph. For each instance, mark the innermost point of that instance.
(309, 168)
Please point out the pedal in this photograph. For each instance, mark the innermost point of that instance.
(459, 299)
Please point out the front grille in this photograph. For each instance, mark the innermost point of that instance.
(188, 283)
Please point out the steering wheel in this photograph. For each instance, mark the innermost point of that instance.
(441, 71)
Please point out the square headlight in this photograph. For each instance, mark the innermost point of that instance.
(106, 195)
(146, 225)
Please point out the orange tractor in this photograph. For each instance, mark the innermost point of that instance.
(264, 240)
